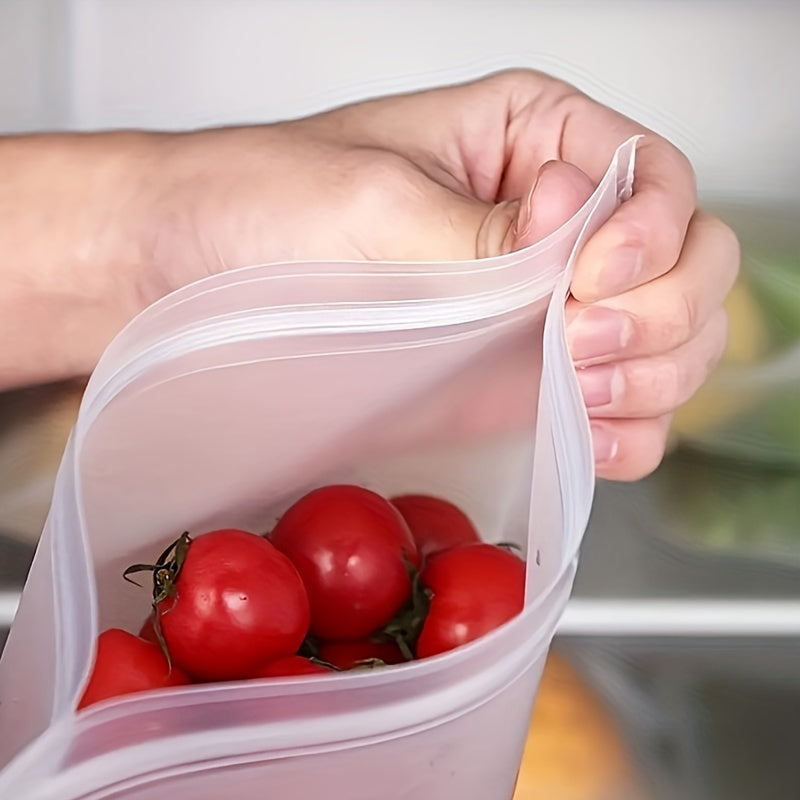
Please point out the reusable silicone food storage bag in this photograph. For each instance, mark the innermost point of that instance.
(220, 405)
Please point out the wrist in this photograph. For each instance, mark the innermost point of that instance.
(229, 197)
(73, 249)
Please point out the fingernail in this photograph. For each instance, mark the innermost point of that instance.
(525, 218)
(622, 270)
(598, 331)
(605, 443)
(600, 385)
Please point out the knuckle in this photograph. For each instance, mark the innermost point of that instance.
(730, 241)
(732, 251)
(675, 324)
(522, 85)
(687, 318)
(670, 384)
(517, 78)
(725, 244)
(670, 238)
(687, 167)
(715, 336)
(661, 243)
(656, 386)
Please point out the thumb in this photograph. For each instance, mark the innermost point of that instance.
(559, 191)
(441, 224)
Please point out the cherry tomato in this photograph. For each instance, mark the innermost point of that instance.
(351, 547)
(237, 604)
(435, 524)
(290, 665)
(125, 664)
(148, 630)
(346, 655)
(475, 589)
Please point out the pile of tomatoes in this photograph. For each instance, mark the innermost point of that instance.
(346, 579)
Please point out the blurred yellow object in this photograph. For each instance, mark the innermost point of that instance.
(575, 749)
(709, 408)
(748, 338)
(748, 343)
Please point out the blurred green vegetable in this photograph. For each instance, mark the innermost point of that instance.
(762, 412)
(775, 282)
(719, 505)
(750, 407)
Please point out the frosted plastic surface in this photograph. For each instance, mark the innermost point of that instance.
(220, 405)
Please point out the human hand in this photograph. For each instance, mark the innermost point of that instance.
(456, 173)
(472, 171)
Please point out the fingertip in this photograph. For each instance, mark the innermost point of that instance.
(642, 240)
(612, 269)
(558, 193)
(629, 449)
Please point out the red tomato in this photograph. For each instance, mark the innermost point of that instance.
(290, 665)
(125, 664)
(238, 603)
(435, 524)
(350, 546)
(346, 655)
(148, 630)
(474, 589)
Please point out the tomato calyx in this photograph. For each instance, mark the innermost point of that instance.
(310, 649)
(369, 663)
(165, 570)
(405, 627)
(165, 574)
(322, 663)
(511, 547)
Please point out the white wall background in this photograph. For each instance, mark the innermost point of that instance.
(721, 79)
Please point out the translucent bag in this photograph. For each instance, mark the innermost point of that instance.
(220, 405)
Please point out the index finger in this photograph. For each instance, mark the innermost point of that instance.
(644, 237)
